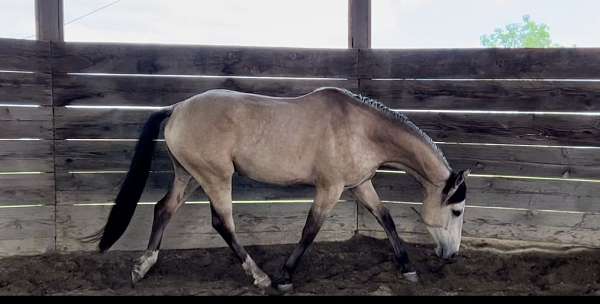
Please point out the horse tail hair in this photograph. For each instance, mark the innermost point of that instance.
(133, 185)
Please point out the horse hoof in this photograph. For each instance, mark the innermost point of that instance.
(411, 276)
(263, 283)
(285, 287)
(135, 277)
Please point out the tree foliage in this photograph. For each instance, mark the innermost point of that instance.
(527, 34)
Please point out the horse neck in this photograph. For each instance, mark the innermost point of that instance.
(407, 150)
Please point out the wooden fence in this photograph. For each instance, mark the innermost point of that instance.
(524, 120)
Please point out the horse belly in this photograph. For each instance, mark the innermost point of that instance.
(274, 168)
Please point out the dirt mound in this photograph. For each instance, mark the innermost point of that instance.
(360, 266)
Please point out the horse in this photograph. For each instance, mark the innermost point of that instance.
(330, 138)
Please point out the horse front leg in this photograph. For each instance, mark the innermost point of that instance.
(365, 193)
(325, 199)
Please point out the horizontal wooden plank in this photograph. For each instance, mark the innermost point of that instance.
(19, 122)
(562, 130)
(486, 95)
(202, 60)
(78, 188)
(26, 189)
(25, 88)
(104, 156)
(77, 123)
(523, 225)
(161, 91)
(26, 156)
(535, 161)
(553, 63)
(273, 223)
(538, 194)
(482, 191)
(24, 55)
(570, 130)
(26, 231)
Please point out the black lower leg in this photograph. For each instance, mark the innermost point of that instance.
(400, 254)
(219, 224)
(309, 233)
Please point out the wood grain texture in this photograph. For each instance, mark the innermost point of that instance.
(564, 195)
(26, 231)
(553, 63)
(524, 225)
(273, 223)
(530, 129)
(20, 122)
(485, 95)
(26, 156)
(26, 189)
(539, 161)
(557, 162)
(562, 130)
(78, 188)
(202, 60)
(162, 91)
(25, 88)
(24, 55)
(502, 192)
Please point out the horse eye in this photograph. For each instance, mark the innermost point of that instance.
(456, 213)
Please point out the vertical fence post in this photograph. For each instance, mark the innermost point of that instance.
(359, 37)
(49, 27)
(359, 24)
(49, 20)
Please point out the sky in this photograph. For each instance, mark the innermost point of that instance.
(306, 23)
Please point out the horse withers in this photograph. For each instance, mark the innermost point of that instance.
(330, 138)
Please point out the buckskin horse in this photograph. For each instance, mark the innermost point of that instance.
(329, 138)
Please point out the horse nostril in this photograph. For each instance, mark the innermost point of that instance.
(452, 255)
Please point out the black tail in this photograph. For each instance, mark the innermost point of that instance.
(133, 186)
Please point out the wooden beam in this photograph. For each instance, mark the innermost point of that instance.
(49, 20)
(359, 24)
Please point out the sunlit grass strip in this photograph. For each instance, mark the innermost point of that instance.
(21, 173)
(498, 112)
(495, 207)
(20, 206)
(11, 105)
(116, 107)
(207, 76)
(515, 145)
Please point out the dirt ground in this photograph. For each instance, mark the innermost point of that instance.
(360, 266)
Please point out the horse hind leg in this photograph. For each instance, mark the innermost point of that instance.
(181, 188)
(218, 190)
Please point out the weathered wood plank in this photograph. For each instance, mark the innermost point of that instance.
(202, 60)
(482, 191)
(18, 122)
(78, 188)
(26, 156)
(104, 156)
(272, 223)
(26, 230)
(26, 189)
(486, 95)
(539, 194)
(535, 161)
(359, 24)
(566, 130)
(556, 63)
(162, 91)
(524, 225)
(444, 127)
(24, 55)
(25, 88)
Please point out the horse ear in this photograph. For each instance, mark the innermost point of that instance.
(454, 183)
